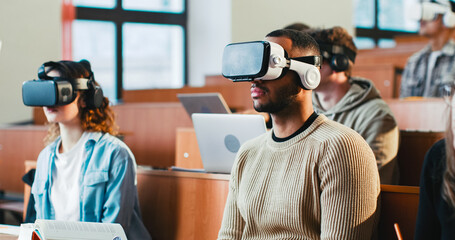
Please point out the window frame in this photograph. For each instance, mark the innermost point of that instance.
(375, 33)
(118, 16)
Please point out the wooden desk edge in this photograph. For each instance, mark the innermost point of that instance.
(400, 189)
(168, 173)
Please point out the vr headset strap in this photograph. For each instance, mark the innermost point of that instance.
(79, 83)
(82, 83)
(337, 49)
(313, 60)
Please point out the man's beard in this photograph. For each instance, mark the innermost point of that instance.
(284, 97)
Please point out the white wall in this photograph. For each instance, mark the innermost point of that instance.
(213, 24)
(31, 34)
(209, 24)
(253, 19)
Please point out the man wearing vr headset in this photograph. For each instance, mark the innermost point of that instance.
(307, 178)
(354, 101)
(84, 173)
(428, 70)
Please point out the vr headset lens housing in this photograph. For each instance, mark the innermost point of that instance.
(263, 60)
(427, 11)
(244, 60)
(250, 60)
(38, 93)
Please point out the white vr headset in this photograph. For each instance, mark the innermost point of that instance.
(263, 60)
(428, 11)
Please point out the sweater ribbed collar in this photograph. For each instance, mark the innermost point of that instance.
(300, 134)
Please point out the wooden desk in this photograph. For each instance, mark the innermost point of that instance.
(17, 144)
(384, 76)
(187, 153)
(8, 237)
(424, 114)
(182, 205)
(153, 127)
(9, 232)
(237, 95)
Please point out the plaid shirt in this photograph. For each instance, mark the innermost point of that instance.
(413, 81)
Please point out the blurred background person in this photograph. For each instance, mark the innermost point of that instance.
(429, 69)
(354, 101)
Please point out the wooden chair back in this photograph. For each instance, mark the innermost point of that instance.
(399, 204)
(411, 153)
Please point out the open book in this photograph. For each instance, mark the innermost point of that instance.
(68, 230)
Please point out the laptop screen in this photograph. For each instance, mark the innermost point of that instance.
(220, 136)
(203, 103)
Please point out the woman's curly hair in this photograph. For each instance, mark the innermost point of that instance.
(101, 119)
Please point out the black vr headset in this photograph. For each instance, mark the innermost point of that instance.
(58, 91)
(338, 56)
(263, 60)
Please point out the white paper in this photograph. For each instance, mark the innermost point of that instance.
(26, 231)
(53, 229)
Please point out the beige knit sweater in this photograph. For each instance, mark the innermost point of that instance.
(321, 184)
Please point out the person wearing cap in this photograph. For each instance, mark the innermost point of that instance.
(354, 101)
(429, 69)
(307, 178)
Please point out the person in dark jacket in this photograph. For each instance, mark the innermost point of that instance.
(436, 215)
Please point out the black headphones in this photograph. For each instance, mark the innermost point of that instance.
(95, 95)
(338, 56)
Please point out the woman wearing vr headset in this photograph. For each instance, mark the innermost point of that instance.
(85, 173)
(435, 219)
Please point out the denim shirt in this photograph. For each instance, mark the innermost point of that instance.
(108, 190)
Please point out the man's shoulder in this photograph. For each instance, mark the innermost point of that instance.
(376, 108)
(372, 105)
(256, 141)
(420, 54)
(329, 130)
(341, 141)
(449, 48)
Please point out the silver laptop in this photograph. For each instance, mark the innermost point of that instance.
(203, 103)
(220, 136)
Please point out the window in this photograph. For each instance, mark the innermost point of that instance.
(132, 44)
(154, 53)
(379, 21)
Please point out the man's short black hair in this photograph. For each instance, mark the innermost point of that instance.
(299, 39)
(298, 26)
